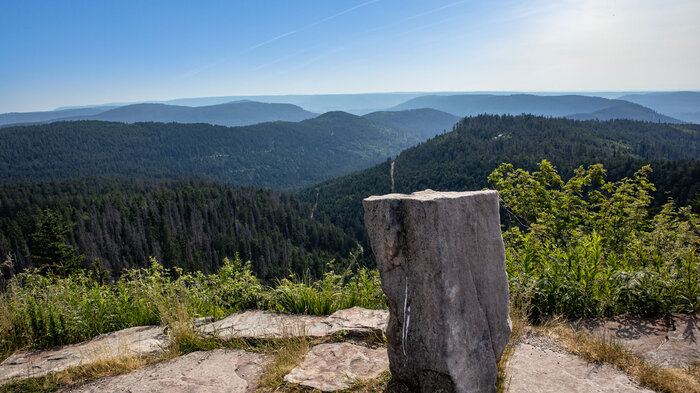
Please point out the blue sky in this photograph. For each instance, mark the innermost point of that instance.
(61, 53)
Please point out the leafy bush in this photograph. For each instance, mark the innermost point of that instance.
(589, 247)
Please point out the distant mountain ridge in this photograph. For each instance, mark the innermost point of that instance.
(238, 113)
(212, 110)
(44, 116)
(424, 123)
(628, 111)
(246, 110)
(357, 104)
(684, 105)
(574, 106)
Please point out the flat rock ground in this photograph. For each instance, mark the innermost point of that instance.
(216, 371)
(670, 341)
(539, 365)
(342, 361)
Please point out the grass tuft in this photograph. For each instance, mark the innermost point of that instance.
(585, 345)
(519, 325)
(287, 354)
(74, 376)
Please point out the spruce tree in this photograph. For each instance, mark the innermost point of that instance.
(50, 252)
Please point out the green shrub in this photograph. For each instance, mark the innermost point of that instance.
(589, 247)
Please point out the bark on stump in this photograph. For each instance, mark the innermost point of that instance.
(442, 264)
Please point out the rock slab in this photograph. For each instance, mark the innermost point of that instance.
(442, 264)
(217, 371)
(670, 341)
(265, 324)
(135, 341)
(336, 366)
(535, 368)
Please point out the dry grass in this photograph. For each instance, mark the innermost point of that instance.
(585, 345)
(6, 348)
(184, 339)
(381, 384)
(287, 354)
(694, 370)
(519, 321)
(591, 349)
(74, 376)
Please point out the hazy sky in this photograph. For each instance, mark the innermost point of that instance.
(69, 52)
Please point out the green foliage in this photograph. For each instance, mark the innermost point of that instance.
(587, 247)
(40, 311)
(50, 253)
(46, 310)
(329, 294)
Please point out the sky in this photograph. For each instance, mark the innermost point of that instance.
(71, 52)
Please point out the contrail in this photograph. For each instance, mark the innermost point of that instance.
(275, 39)
(271, 40)
(326, 19)
(431, 11)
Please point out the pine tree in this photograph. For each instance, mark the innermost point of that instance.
(50, 252)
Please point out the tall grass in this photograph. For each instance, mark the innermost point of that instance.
(329, 294)
(41, 311)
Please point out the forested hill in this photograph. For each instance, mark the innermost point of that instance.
(46, 116)
(190, 224)
(237, 113)
(463, 159)
(684, 105)
(424, 123)
(574, 106)
(278, 155)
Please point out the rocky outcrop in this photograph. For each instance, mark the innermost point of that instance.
(337, 366)
(151, 340)
(135, 341)
(442, 264)
(265, 324)
(670, 341)
(358, 320)
(217, 371)
(540, 366)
